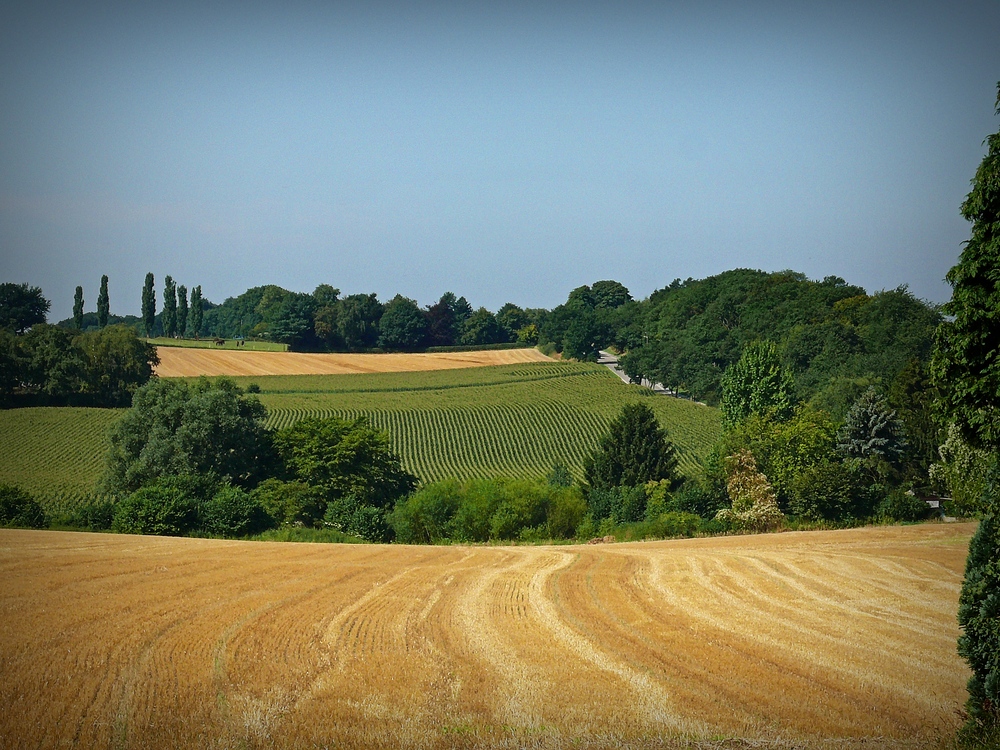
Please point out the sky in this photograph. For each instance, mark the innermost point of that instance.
(503, 151)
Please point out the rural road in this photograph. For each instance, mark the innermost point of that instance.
(610, 361)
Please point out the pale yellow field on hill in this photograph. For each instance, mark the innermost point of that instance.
(181, 362)
(786, 640)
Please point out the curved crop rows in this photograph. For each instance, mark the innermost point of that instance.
(820, 639)
(515, 421)
(500, 427)
(55, 453)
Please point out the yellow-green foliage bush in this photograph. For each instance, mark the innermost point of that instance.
(755, 507)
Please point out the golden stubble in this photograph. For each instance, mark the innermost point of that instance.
(783, 640)
(180, 362)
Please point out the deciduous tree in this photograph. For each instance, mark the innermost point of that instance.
(757, 385)
(176, 428)
(21, 306)
(402, 326)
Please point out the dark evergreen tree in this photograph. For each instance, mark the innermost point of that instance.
(103, 304)
(636, 450)
(148, 306)
(169, 307)
(871, 432)
(78, 308)
(182, 310)
(197, 312)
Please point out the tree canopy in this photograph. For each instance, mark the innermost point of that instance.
(757, 385)
(176, 428)
(21, 306)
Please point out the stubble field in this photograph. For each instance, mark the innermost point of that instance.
(783, 640)
(182, 362)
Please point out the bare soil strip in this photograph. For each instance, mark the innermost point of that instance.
(179, 362)
(781, 640)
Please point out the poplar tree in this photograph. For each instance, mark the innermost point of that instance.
(148, 305)
(169, 307)
(182, 310)
(103, 304)
(78, 308)
(194, 324)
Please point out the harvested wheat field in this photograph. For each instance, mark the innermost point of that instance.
(181, 362)
(785, 640)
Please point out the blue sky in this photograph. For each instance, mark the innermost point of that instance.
(504, 151)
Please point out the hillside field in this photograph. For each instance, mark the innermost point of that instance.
(191, 362)
(840, 639)
(514, 420)
(56, 453)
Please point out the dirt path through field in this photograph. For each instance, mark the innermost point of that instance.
(786, 640)
(181, 362)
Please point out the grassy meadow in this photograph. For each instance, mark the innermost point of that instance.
(209, 343)
(514, 421)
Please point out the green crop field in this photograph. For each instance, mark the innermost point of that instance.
(56, 453)
(248, 345)
(513, 420)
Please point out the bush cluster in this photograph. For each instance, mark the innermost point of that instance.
(484, 510)
(19, 509)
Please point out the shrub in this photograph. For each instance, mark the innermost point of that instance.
(232, 512)
(290, 503)
(425, 517)
(566, 511)
(478, 501)
(674, 524)
(18, 508)
(827, 490)
(901, 506)
(755, 507)
(524, 504)
(351, 516)
(156, 509)
(94, 515)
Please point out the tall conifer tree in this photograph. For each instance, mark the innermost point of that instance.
(148, 305)
(103, 304)
(78, 308)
